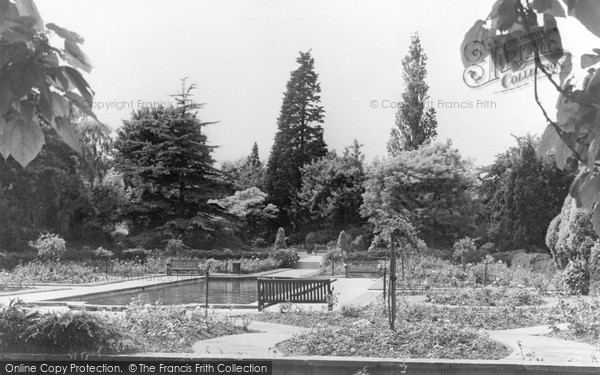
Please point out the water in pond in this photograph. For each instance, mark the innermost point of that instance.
(220, 291)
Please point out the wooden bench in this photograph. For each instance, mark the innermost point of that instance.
(362, 268)
(183, 266)
(273, 291)
(318, 248)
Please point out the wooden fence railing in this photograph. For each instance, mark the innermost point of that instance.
(273, 291)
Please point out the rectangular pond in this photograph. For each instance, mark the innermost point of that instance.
(220, 291)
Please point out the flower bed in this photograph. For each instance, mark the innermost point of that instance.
(138, 329)
(174, 329)
(422, 331)
(415, 340)
(488, 296)
(583, 318)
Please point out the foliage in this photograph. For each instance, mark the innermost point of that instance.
(299, 138)
(247, 172)
(520, 193)
(332, 187)
(583, 318)
(574, 132)
(488, 296)
(465, 249)
(66, 332)
(96, 149)
(474, 317)
(286, 258)
(49, 246)
(343, 242)
(335, 255)
(39, 83)
(280, 240)
(49, 195)
(249, 205)
(570, 240)
(408, 341)
(431, 187)
(415, 124)
(102, 253)
(165, 159)
(175, 246)
(174, 329)
(77, 332)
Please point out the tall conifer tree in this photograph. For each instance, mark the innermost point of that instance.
(299, 139)
(414, 123)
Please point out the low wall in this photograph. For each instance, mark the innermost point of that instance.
(347, 366)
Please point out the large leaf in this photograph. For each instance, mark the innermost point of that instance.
(504, 14)
(75, 56)
(589, 192)
(587, 12)
(6, 96)
(78, 81)
(589, 59)
(551, 7)
(28, 8)
(554, 39)
(65, 34)
(13, 52)
(550, 139)
(68, 133)
(566, 67)
(24, 141)
(592, 153)
(81, 104)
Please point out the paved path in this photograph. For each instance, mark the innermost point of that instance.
(259, 344)
(535, 347)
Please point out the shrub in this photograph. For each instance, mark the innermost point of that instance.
(57, 272)
(570, 238)
(280, 240)
(594, 269)
(576, 277)
(66, 332)
(259, 242)
(174, 246)
(488, 296)
(77, 332)
(343, 241)
(335, 255)
(287, 258)
(175, 328)
(49, 246)
(465, 250)
(351, 311)
(310, 241)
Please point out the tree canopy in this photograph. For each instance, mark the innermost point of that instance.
(521, 193)
(166, 160)
(431, 187)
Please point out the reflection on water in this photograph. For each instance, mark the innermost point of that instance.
(220, 291)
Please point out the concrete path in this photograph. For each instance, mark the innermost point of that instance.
(74, 291)
(528, 344)
(259, 344)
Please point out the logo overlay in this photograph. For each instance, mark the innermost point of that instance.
(508, 60)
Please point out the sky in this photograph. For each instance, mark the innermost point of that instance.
(240, 55)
